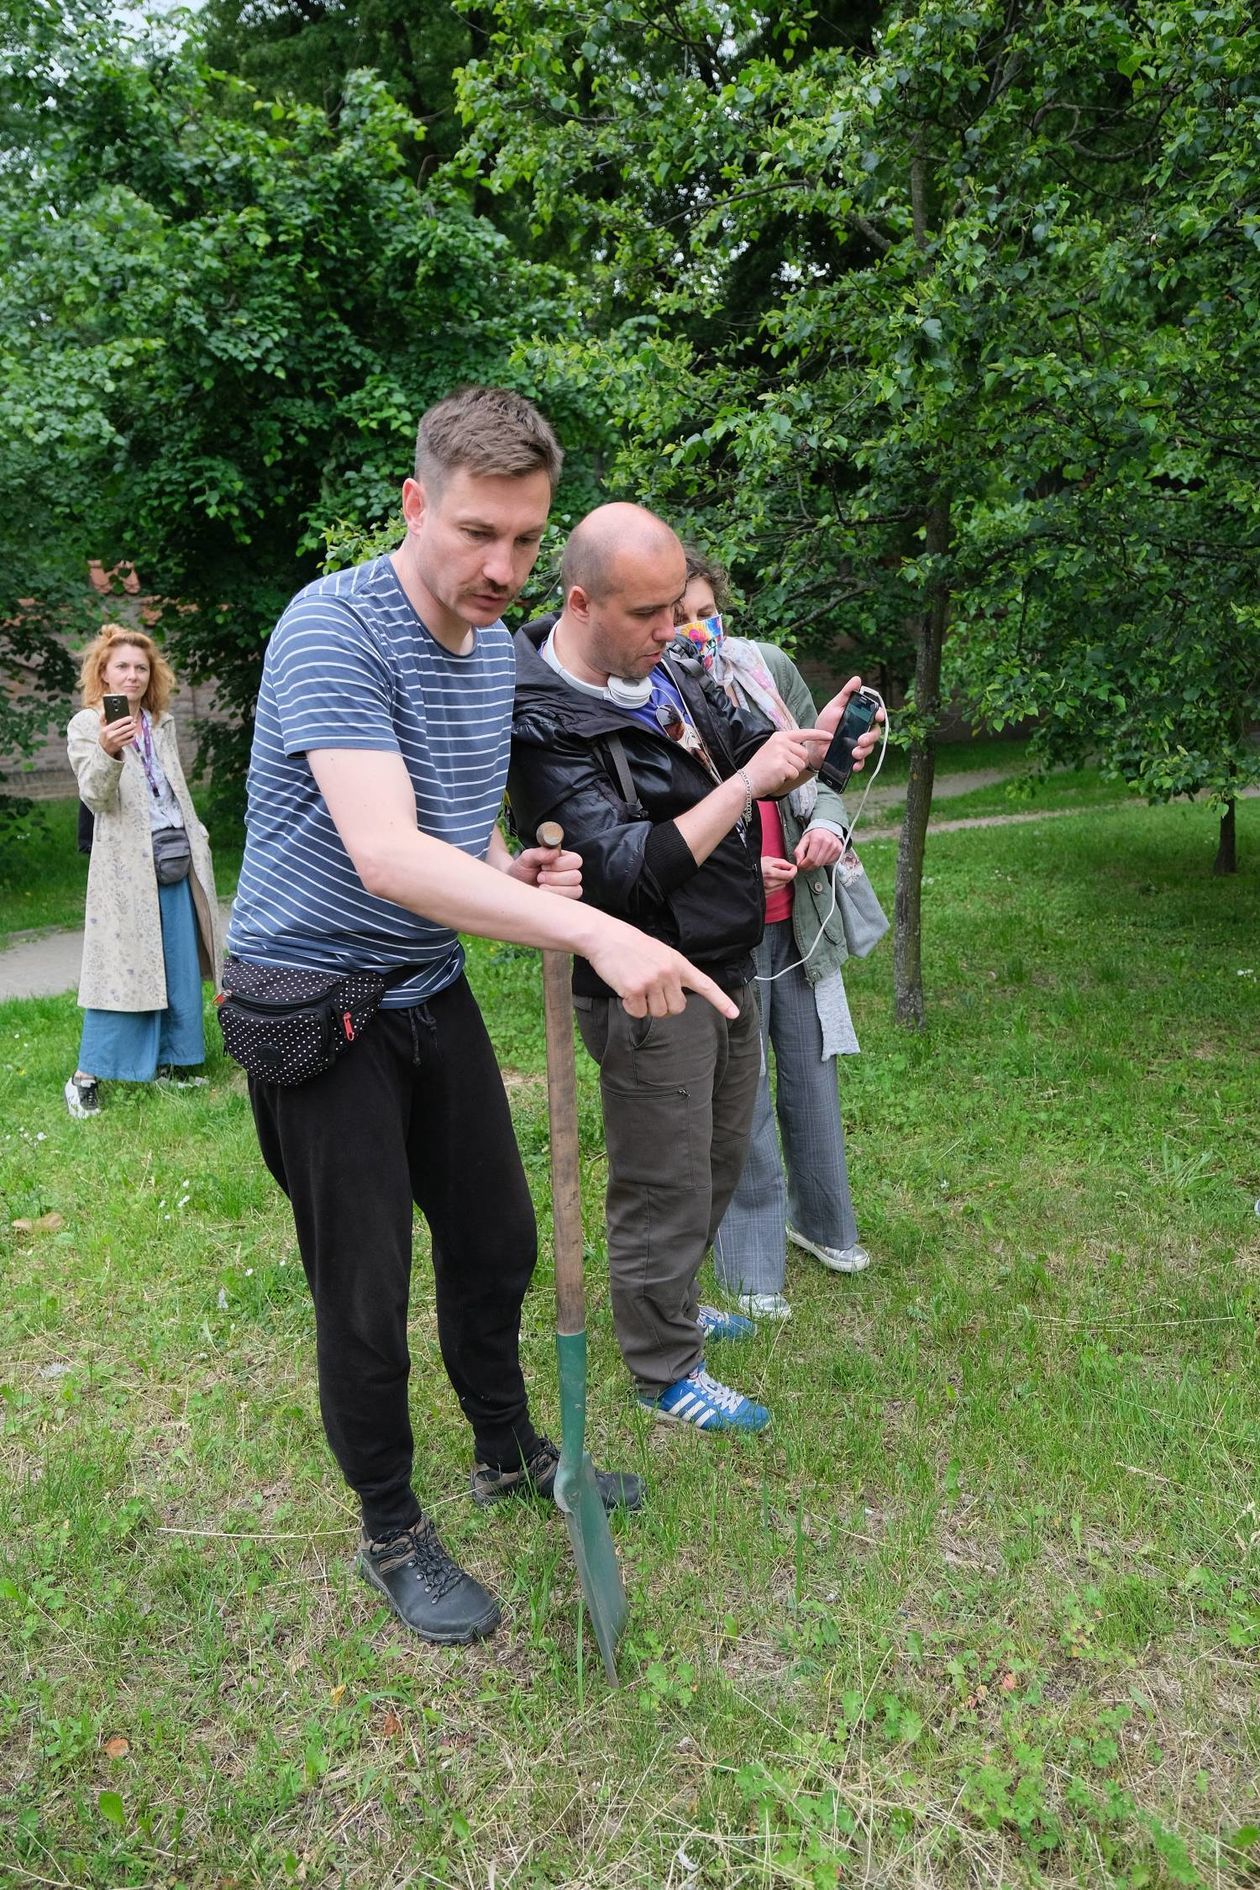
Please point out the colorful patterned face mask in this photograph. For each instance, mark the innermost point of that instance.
(705, 636)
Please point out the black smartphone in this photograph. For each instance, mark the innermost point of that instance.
(857, 718)
(117, 708)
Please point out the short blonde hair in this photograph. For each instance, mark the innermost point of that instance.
(157, 696)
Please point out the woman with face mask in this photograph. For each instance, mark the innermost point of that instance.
(152, 917)
(804, 1196)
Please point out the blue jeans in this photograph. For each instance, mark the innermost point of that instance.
(749, 1250)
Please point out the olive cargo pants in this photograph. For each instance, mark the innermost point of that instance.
(678, 1095)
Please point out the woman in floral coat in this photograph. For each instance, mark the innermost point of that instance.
(152, 922)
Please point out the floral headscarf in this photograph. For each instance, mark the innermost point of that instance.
(739, 667)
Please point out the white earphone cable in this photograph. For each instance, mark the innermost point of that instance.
(761, 978)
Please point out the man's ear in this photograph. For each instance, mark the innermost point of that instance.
(414, 504)
(577, 603)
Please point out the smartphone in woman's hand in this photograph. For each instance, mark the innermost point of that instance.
(117, 708)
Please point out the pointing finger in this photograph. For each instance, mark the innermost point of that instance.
(713, 994)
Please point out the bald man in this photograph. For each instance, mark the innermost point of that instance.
(654, 776)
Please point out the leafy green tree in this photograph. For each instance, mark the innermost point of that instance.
(43, 574)
(1121, 603)
(229, 311)
(307, 49)
(1002, 260)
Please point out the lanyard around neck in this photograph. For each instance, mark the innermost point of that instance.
(143, 746)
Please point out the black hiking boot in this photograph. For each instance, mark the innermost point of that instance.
(427, 1589)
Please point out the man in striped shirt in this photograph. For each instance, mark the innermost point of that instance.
(377, 775)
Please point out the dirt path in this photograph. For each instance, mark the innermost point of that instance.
(987, 820)
(945, 788)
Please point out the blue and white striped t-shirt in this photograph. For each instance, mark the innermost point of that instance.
(350, 665)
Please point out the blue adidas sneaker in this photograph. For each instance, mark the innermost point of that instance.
(715, 1324)
(701, 1401)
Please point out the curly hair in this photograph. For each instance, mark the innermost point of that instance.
(157, 695)
(713, 573)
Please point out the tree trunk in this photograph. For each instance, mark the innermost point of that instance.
(1226, 860)
(907, 901)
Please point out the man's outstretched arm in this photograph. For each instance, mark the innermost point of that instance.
(373, 806)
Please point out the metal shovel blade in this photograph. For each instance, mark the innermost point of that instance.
(577, 1495)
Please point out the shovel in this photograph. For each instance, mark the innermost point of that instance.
(577, 1493)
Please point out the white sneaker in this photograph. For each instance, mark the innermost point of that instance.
(839, 1259)
(81, 1098)
(764, 1306)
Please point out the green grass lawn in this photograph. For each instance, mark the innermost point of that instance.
(982, 1608)
(1076, 790)
(980, 751)
(1022, 791)
(43, 876)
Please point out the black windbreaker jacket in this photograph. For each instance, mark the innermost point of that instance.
(635, 863)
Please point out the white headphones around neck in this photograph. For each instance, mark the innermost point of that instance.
(628, 694)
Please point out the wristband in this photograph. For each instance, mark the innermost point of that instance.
(748, 794)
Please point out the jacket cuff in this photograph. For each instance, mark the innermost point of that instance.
(668, 857)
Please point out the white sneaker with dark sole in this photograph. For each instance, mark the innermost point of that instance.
(839, 1259)
(765, 1306)
(81, 1098)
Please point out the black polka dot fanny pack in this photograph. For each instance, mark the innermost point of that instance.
(285, 1025)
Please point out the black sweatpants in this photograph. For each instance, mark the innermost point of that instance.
(414, 1111)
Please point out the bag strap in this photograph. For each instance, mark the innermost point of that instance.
(615, 750)
(399, 975)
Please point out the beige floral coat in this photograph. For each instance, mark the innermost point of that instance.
(122, 941)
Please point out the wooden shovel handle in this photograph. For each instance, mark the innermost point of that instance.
(566, 1185)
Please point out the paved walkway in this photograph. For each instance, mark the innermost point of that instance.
(945, 788)
(43, 964)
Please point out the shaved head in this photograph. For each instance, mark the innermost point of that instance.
(623, 572)
(610, 542)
